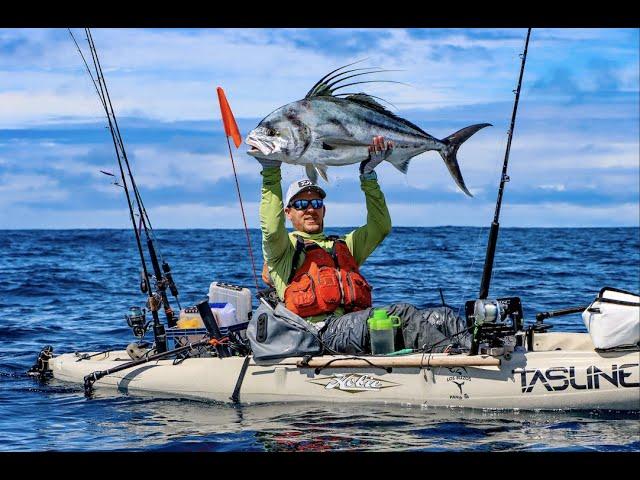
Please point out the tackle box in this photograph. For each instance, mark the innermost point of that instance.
(239, 297)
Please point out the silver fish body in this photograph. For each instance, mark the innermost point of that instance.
(325, 130)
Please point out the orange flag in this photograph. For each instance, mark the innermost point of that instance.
(230, 125)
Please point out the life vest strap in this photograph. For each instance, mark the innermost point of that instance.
(303, 246)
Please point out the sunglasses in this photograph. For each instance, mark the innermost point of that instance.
(316, 203)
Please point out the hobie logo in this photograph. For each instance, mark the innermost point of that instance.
(353, 383)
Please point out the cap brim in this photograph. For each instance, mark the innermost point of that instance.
(309, 188)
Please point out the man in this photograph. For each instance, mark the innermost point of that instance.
(317, 276)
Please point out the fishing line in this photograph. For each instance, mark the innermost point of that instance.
(118, 139)
(154, 300)
(473, 260)
(450, 337)
(476, 250)
(163, 280)
(88, 69)
(489, 258)
(99, 91)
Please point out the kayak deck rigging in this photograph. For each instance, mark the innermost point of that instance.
(561, 372)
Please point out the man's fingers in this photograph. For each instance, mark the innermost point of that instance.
(378, 145)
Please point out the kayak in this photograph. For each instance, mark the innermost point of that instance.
(558, 371)
(553, 371)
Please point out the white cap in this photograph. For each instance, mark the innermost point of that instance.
(302, 185)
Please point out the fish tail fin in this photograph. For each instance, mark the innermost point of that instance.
(452, 144)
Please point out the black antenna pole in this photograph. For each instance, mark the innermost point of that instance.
(495, 225)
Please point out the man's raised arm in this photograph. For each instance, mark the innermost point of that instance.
(364, 240)
(275, 239)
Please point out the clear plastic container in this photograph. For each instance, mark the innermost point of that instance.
(381, 331)
(189, 318)
(238, 297)
(225, 314)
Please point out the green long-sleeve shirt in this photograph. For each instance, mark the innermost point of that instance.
(278, 245)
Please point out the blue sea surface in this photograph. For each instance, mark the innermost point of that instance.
(71, 288)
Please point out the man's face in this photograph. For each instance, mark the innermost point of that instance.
(308, 220)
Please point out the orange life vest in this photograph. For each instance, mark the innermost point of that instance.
(325, 281)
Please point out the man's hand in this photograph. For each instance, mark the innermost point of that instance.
(378, 152)
(266, 162)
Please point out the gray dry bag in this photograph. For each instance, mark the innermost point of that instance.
(279, 333)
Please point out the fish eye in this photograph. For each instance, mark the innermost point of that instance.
(272, 132)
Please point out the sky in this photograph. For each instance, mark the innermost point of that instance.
(574, 157)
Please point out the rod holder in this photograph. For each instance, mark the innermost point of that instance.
(211, 325)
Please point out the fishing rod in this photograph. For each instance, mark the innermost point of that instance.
(484, 311)
(495, 225)
(162, 281)
(154, 299)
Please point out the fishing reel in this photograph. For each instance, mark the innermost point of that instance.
(496, 324)
(136, 320)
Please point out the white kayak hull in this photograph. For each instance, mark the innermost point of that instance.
(553, 379)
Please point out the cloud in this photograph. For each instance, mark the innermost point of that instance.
(559, 187)
(171, 74)
(575, 144)
(160, 169)
(26, 189)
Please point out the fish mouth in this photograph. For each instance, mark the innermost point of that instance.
(257, 147)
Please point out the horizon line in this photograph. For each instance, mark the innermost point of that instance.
(337, 227)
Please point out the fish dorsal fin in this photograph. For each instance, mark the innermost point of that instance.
(334, 80)
(368, 101)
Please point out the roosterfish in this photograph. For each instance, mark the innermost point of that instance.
(332, 129)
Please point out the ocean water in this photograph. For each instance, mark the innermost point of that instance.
(71, 289)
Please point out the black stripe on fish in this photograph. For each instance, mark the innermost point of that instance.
(394, 120)
(295, 121)
(367, 102)
(300, 126)
(382, 125)
(340, 125)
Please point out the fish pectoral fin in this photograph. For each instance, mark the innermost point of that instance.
(311, 173)
(401, 164)
(333, 142)
(322, 170)
(313, 170)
